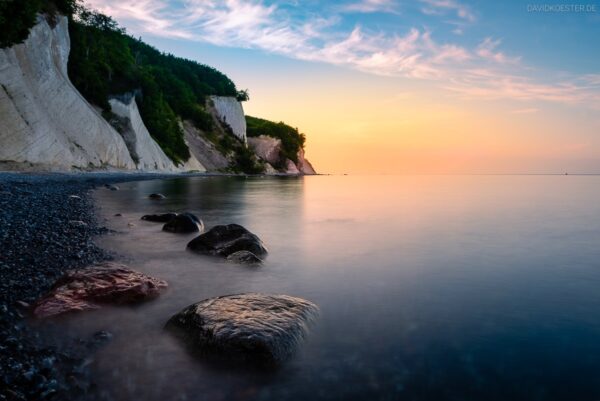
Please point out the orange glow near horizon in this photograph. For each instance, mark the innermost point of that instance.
(371, 127)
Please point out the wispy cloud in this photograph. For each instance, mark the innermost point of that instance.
(370, 6)
(492, 85)
(483, 72)
(487, 50)
(441, 7)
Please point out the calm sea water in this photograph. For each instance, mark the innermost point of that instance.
(430, 287)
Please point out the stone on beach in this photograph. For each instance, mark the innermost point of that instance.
(89, 288)
(184, 223)
(159, 218)
(254, 327)
(227, 239)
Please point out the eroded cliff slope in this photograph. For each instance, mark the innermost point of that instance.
(44, 119)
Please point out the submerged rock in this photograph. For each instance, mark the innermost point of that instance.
(254, 327)
(184, 223)
(159, 218)
(227, 239)
(157, 196)
(85, 289)
(244, 257)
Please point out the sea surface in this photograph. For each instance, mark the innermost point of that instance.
(430, 287)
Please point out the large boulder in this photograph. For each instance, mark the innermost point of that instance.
(107, 283)
(184, 223)
(253, 327)
(227, 239)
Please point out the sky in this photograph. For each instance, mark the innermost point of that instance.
(399, 86)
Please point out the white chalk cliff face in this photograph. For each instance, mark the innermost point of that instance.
(43, 119)
(266, 147)
(143, 149)
(269, 149)
(230, 111)
(304, 165)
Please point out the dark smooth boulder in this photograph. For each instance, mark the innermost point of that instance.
(245, 258)
(184, 223)
(159, 218)
(157, 196)
(253, 327)
(227, 239)
(89, 288)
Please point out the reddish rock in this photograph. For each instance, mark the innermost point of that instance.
(108, 283)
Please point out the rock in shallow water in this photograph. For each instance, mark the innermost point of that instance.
(85, 289)
(245, 258)
(255, 327)
(157, 196)
(225, 240)
(184, 223)
(159, 218)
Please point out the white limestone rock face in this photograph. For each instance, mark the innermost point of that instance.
(144, 150)
(304, 165)
(266, 147)
(290, 167)
(44, 120)
(202, 149)
(230, 111)
(269, 150)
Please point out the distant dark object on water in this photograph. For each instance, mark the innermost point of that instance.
(112, 187)
(227, 239)
(256, 328)
(159, 218)
(184, 223)
(157, 196)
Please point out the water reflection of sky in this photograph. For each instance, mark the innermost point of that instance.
(430, 287)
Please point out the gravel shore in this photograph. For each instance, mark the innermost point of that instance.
(47, 225)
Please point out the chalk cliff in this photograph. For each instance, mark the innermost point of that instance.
(269, 150)
(229, 110)
(304, 166)
(45, 122)
(43, 119)
(202, 149)
(144, 151)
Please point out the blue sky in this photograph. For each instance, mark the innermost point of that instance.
(512, 86)
(548, 54)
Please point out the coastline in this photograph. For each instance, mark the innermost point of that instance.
(40, 244)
